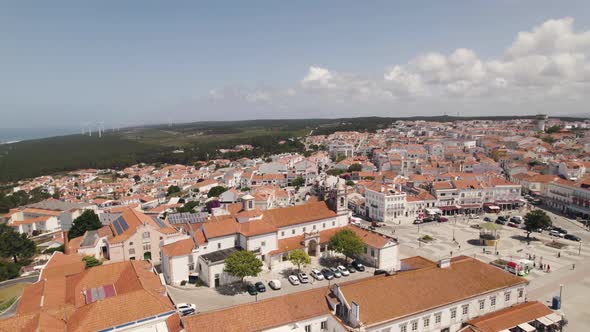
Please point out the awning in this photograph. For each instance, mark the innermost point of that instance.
(545, 321)
(527, 327)
(554, 317)
(449, 208)
(433, 211)
(493, 207)
(470, 206)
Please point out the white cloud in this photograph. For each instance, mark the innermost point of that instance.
(547, 65)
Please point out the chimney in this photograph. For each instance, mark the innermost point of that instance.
(66, 242)
(444, 263)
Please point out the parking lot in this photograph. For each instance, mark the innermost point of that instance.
(208, 299)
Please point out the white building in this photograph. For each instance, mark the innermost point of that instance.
(385, 202)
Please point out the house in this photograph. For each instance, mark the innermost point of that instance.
(133, 235)
(68, 297)
(271, 234)
(527, 316)
(422, 296)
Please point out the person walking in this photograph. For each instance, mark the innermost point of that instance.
(548, 268)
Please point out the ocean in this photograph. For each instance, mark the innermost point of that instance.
(11, 135)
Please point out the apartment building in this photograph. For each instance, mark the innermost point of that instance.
(385, 202)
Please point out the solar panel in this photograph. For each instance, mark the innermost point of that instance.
(123, 224)
(159, 222)
(117, 227)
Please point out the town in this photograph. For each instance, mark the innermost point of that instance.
(466, 225)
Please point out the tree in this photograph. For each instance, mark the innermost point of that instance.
(340, 158)
(347, 243)
(335, 171)
(553, 129)
(349, 183)
(91, 261)
(173, 190)
(188, 207)
(137, 178)
(298, 182)
(299, 257)
(216, 191)
(9, 270)
(243, 264)
(355, 168)
(14, 245)
(536, 219)
(87, 221)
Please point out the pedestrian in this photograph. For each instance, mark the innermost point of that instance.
(534, 265)
(534, 256)
(559, 254)
(548, 268)
(573, 266)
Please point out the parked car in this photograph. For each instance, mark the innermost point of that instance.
(260, 287)
(343, 270)
(336, 272)
(555, 233)
(293, 280)
(317, 275)
(378, 272)
(428, 219)
(488, 219)
(503, 218)
(185, 308)
(358, 266)
(443, 219)
(377, 224)
(561, 230)
(275, 284)
(303, 278)
(517, 219)
(327, 273)
(417, 221)
(350, 268)
(511, 224)
(473, 216)
(500, 221)
(572, 237)
(252, 289)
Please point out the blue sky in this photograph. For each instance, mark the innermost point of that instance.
(63, 63)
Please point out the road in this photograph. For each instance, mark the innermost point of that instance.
(12, 310)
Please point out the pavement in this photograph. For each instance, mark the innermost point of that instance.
(207, 299)
(7, 283)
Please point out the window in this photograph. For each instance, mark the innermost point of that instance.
(493, 301)
(263, 243)
(131, 251)
(147, 247)
(482, 304)
(437, 318)
(453, 313)
(130, 243)
(372, 252)
(324, 225)
(219, 246)
(403, 328)
(293, 231)
(520, 292)
(307, 328)
(283, 233)
(333, 223)
(313, 226)
(324, 325)
(161, 238)
(304, 229)
(415, 325)
(427, 322)
(366, 249)
(146, 235)
(507, 297)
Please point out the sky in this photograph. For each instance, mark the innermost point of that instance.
(64, 64)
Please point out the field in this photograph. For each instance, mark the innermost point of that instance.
(9, 294)
(156, 144)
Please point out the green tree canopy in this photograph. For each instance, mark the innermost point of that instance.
(137, 178)
(553, 129)
(173, 190)
(298, 182)
(216, 191)
(9, 270)
(243, 264)
(188, 207)
(91, 261)
(340, 158)
(536, 219)
(300, 258)
(87, 221)
(349, 183)
(335, 171)
(355, 168)
(347, 243)
(14, 245)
